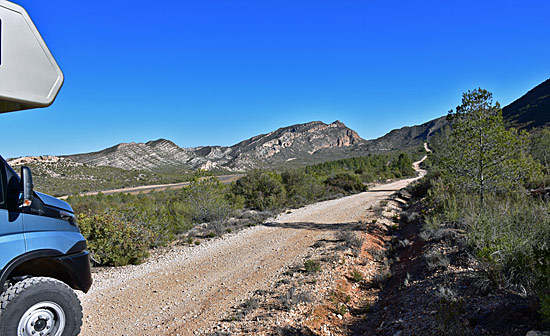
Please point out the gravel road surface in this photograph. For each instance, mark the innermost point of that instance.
(183, 289)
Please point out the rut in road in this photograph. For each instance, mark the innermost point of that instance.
(190, 288)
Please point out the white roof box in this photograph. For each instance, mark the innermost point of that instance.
(29, 75)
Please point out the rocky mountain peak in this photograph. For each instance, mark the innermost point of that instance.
(126, 144)
(161, 142)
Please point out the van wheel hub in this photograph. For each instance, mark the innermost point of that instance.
(43, 319)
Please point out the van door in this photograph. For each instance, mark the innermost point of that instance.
(12, 238)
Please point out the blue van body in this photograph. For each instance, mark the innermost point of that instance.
(42, 239)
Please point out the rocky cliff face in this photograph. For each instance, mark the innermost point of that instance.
(297, 142)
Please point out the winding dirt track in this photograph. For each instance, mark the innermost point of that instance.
(186, 289)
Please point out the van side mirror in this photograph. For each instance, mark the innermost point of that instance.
(26, 181)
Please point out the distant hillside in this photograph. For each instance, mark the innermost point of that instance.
(60, 176)
(300, 142)
(531, 110)
(150, 156)
(408, 136)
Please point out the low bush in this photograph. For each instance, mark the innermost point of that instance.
(345, 181)
(507, 233)
(301, 188)
(292, 298)
(356, 275)
(545, 307)
(312, 266)
(436, 260)
(206, 198)
(260, 190)
(115, 241)
(379, 279)
(378, 210)
(351, 240)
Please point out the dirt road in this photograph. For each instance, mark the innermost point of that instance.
(225, 179)
(180, 291)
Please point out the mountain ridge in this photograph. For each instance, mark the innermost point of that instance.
(283, 144)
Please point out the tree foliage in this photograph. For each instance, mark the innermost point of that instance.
(540, 148)
(483, 156)
(260, 189)
(301, 188)
(206, 198)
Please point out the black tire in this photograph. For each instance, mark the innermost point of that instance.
(40, 302)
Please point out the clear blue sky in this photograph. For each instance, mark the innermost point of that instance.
(218, 72)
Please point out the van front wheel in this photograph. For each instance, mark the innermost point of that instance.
(40, 306)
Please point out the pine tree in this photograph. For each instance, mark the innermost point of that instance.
(483, 156)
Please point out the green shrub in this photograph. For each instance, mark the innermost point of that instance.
(545, 308)
(113, 240)
(509, 235)
(159, 222)
(420, 188)
(436, 260)
(261, 190)
(379, 279)
(301, 188)
(345, 181)
(206, 198)
(293, 297)
(312, 266)
(356, 275)
(342, 309)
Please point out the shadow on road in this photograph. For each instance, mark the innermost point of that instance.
(381, 190)
(354, 226)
